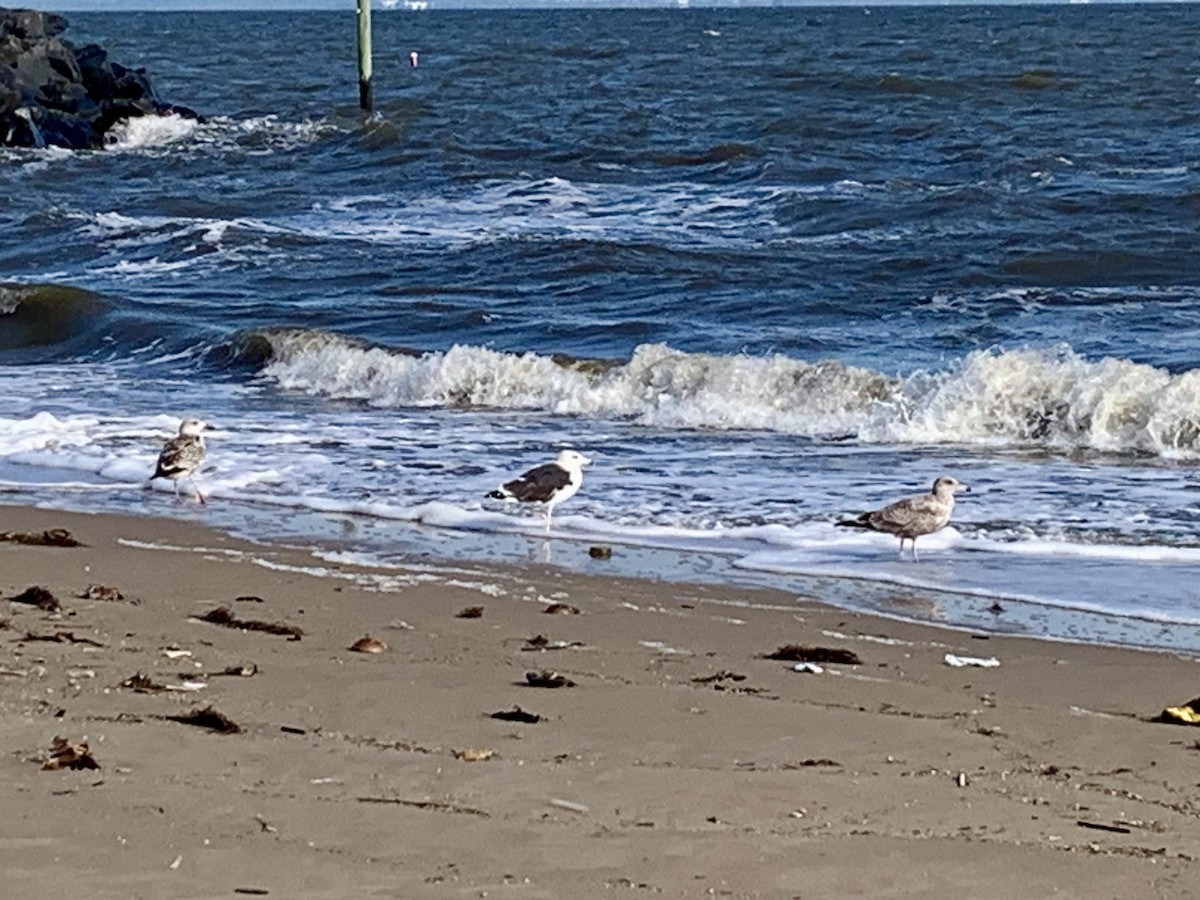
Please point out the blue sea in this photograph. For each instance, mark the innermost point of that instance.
(767, 267)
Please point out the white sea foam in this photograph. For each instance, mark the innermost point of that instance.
(1146, 577)
(259, 135)
(172, 133)
(1035, 397)
(140, 132)
(120, 229)
(1054, 398)
(263, 135)
(1118, 541)
(145, 269)
(1108, 552)
(675, 213)
(44, 431)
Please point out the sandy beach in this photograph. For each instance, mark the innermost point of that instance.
(667, 755)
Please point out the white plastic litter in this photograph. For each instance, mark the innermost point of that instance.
(960, 661)
(807, 668)
(568, 804)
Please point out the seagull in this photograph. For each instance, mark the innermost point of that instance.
(549, 484)
(182, 455)
(913, 516)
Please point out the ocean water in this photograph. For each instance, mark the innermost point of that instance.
(768, 267)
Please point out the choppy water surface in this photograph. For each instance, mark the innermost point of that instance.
(767, 266)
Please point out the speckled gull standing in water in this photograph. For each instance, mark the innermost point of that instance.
(183, 455)
(549, 484)
(913, 516)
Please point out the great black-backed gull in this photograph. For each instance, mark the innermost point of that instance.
(549, 484)
(182, 455)
(913, 516)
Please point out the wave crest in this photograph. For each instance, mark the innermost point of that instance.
(1050, 398)
(140, 132)
(1056, 399)
(36, 315)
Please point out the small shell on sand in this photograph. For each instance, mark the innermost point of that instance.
(66, 755)
(474, 754)
(101, 592)
(561, 609)
(370, 645)
(548, 678)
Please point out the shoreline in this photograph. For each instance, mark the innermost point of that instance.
(682, 762)
(900, 596)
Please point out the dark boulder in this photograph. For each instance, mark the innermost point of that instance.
(54, 94)
(68, 131)
(28, 24)
(95, 71)
(10, 93)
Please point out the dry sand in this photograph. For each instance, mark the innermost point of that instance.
(680, 764)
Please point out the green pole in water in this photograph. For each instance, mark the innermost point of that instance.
(365, 98)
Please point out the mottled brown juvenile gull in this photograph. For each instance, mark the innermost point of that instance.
(913, 516)
(183, 455)
(548, 484)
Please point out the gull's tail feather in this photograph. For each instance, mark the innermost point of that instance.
(857, 522)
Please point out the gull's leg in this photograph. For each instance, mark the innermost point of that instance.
(199, 496)
(914, 548)
(549, 512)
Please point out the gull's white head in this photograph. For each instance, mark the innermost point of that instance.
(191, 427)
(573, 460)
(946, 486)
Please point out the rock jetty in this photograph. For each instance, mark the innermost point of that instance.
(53, 94)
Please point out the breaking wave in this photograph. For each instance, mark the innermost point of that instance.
(148, 131)
(37, 315)
(173, 135)
(1048, 398)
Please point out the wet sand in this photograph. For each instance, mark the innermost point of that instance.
(680, 762)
